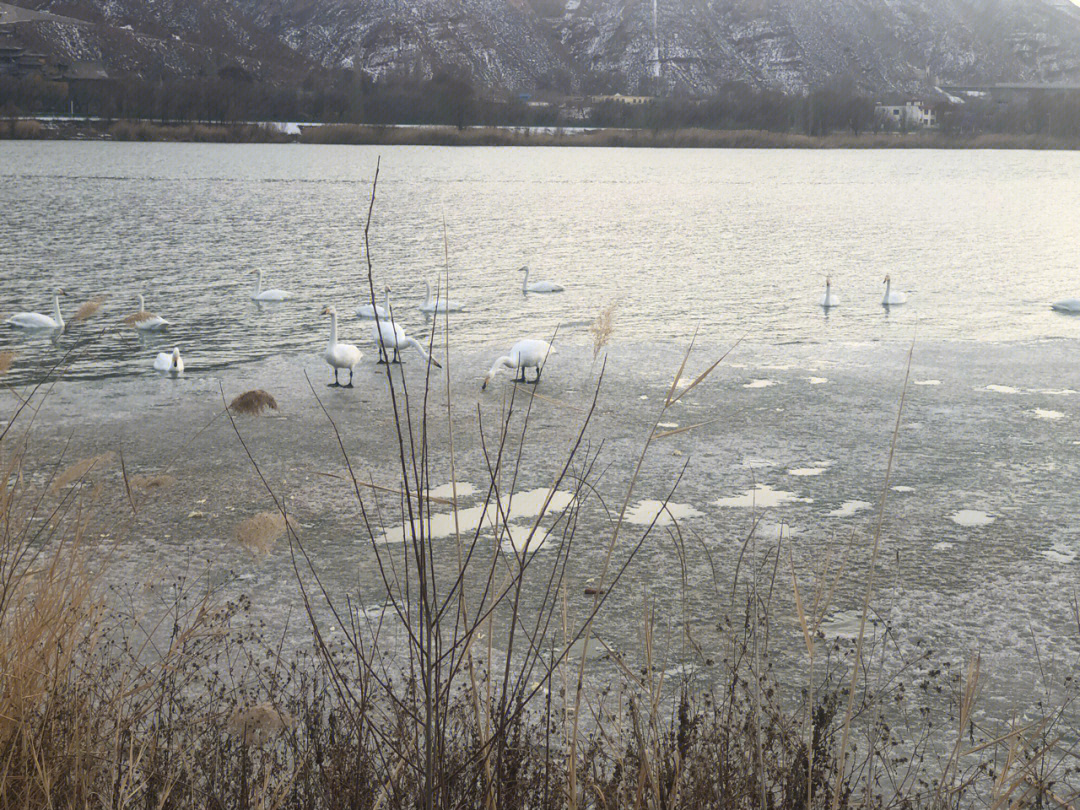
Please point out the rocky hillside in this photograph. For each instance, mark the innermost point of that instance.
(628, 46)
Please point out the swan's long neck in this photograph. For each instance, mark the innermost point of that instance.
(429, 300)
(525, 281)
(888, 286)
(389, 311)
(333, 328)
(56, 310)
(142, 304)
(503, 362)
(258, 282)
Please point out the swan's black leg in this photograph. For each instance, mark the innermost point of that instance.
(537, 375)
(335, 382)
(350, 385)
(522, 377)
(397, 356)
(382, 355)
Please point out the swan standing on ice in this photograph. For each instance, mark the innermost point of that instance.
(1066, 305)
(35, 320)
(170, 363)
(892, 298)
(388, 335)
(340, 355)
(537, 286)
(524, 354)
(146, 321)
(266, 295)
(431, 305)
(829, 299)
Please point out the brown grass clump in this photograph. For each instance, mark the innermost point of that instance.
(152, 482)
(602, 327)
(88, 309)
(260, 532)
(6, 359)
(137, 317)
(82, 468)
(258, 723)
(253, 402)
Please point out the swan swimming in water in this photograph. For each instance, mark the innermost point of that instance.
(523, 354)
(369, 311)
(829, 299)
(35, 320)
(442, 305)
(266, 295)
(538, 286)
(388, 335)
(170, 363)
(146, 321)
(1066, 305)
(892, 298)
(340, 355)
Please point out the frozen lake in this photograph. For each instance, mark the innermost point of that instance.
(980, 549)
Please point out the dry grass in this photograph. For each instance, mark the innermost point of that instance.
(259, 533)
(82, 468)
(602, 327)
(6, 359)
(253, 402)
(260, 723)
(89, 309)
(138, 317)
(150, 483)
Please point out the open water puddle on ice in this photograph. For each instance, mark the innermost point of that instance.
(971, 517)
(762, 496)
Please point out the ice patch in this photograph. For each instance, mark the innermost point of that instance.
(902, 488)
(758, 384)
(845, 624)
(971, 517)
(927, 382)
(668, 425)
(1060, 553)
(643, 512)
(807, 472)
(817, 380)
(464, 490)
(944, 545)
(1002, 389)
(1043, 413)
(849, 508)
(762, 497)
(1056, 392)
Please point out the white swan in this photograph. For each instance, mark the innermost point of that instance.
(340, 355)
(892, 298)
(369, 311)
(170, 363)
(266, 295)
(538, 286)
(524, 354)
(1066, 305)
(146, 321)
(829, 299)
(35, 320)
(388, 335)
(431, 305)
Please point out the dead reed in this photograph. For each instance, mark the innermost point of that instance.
(78, 471)
(88, 309)
(260, 532)
(602, 327)
(6, 359)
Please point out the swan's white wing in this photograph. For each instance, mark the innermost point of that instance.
(32, 320)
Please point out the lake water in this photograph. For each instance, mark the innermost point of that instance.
(980, 540)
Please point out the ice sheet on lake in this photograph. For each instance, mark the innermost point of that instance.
(643, 512)
(761, 497)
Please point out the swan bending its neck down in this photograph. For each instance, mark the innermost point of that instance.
(537, 286)
(829, 299)
(892, 298)
(440, 305)
(146, 321)
(1067, 305)
(170, 363)
(388, 335)
(523, 354)
(266, 295)
(35, 320)
(340, 355)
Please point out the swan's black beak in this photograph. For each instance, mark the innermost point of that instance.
(483, 385)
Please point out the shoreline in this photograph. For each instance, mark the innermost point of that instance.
(408, 135)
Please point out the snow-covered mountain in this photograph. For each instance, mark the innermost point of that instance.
(630, 46)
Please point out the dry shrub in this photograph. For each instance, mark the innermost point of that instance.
(28, 130)
(260, 532)
(602, 327)
(253, 402)
(6, 359)
(88, 309)
(82, 468)
(259, 723)
(149, 483)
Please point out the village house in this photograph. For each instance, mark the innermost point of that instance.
(909, 114)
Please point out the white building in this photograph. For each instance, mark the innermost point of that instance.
(909, 115)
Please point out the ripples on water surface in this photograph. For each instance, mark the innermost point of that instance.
(732, 241)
